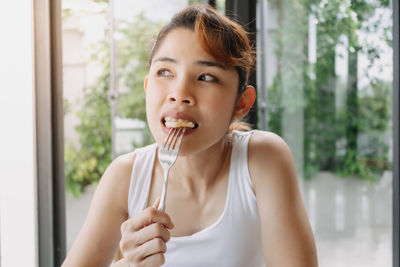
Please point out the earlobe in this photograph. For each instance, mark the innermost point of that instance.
(146, 80)
(245, 102)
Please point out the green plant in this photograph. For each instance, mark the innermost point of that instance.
(332, 132)
(86, 162)
(134, 48)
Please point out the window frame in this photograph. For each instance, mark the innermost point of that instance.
(49, 132)
(396, 136)
(49, 111)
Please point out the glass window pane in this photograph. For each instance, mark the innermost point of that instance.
(88, 100)
(325, 85)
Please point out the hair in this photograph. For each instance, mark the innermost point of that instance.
(222, 38)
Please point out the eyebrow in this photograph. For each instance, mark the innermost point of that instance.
(210, 64)
(199, 62)
(166, 59)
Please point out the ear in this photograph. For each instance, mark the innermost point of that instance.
(245, 102)
(146, 81)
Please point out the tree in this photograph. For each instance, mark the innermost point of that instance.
(330, 129)
(85, 163)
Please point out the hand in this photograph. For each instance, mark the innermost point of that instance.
(144, 237)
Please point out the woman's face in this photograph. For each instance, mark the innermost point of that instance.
(184, 82)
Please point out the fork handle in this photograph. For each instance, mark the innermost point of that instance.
(161, 206)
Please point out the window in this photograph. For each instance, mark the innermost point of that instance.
(324, 81)
(325, 84)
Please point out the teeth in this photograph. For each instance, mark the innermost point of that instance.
(171, 122)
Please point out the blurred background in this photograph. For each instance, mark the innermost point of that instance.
(324, 81)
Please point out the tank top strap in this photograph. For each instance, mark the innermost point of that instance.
(141, 179)
(241, 179)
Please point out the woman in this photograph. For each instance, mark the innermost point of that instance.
(233, 197)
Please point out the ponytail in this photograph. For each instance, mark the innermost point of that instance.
(239, 125)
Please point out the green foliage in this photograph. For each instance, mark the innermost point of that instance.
(85, 163)
(191, 2)
(347, 139)
(134, 47)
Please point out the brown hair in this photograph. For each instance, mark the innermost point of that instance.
(219, 36)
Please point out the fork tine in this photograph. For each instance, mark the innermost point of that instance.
(175, 138)
(179, 139)
(167, 139)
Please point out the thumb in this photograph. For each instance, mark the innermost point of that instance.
(156, 203)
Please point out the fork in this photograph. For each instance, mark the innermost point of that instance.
(167, 154)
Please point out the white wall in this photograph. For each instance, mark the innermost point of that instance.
(17, 136)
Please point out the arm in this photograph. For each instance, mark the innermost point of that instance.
(98, 239)
(143, 238)
(286, 233)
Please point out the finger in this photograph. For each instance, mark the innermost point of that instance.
(154, 246)
(154, 260)
(133, 240)
(150, 232)
(145, 218)
(139, 254)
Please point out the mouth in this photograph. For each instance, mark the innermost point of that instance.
(171, 122)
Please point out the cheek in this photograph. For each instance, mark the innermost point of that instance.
(149, 101)
(152, 115)
(151, 105)
(221, 109)
(226, 103)
(153, 95)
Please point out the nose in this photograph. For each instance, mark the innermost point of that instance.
(181, 94)
(184, 100)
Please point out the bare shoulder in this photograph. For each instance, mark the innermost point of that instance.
(269, 158)
(272, 169)
(123, 162)
(284, 222)
(269, 144)
(120, 167)
(116, 178)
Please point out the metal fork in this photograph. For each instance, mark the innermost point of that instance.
(167, 154)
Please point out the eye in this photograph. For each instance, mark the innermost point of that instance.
(164, 73)
(208, 78)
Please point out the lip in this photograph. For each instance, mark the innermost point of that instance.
(178, 115)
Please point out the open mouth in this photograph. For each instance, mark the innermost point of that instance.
(171, 122)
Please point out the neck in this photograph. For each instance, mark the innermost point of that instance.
(196, 173)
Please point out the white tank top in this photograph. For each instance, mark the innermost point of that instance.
(234, 239)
